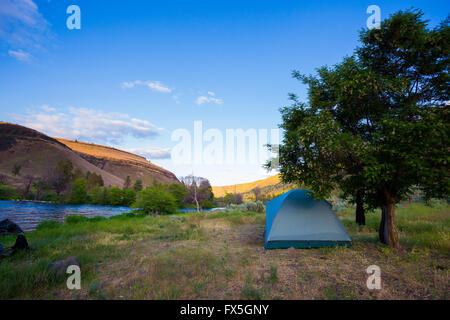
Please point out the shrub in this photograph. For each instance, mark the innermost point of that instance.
(48, 224)
(155, 200)
(7, 192)
(79, 191)
(257, 206)
(115, 196)
(74, 219)
(129, 197)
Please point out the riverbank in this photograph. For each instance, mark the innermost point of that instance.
(220, 255)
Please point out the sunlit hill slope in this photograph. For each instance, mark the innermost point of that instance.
(38, 153)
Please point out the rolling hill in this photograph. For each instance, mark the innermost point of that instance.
(271, 186)
(38, 153)
(120, 163)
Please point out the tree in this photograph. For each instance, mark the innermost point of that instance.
(40, 185)
(199, 190)
(7, 192)
(129, 197)
(228, 198)
(16, 169)
(237, 198)
(257, 192)
(3, 178)
(376, 125)
(79, 191)
(60, 177)
(28, 182)
(179, 192)
(95, 193)
(154, 200)
(93, 180)
(138, 185)
(115, 196)
(127, 183)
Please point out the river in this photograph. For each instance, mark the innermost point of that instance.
(28, 214)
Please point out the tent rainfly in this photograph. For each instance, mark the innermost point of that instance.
(295, 219)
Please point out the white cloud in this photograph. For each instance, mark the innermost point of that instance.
(20, 55)
(153, 85)
(210, 98)
(47, 108)
(87, 125)
(152, 153)
(22, 26)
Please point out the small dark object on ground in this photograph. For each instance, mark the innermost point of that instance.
(60, 266)
(9, 227)
(21, 243)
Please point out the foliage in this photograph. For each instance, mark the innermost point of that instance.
(128, 197)
(257, 206)
(16, 169)
(115, 196)
(137, 185)
(7, 192)
(156, 201)
(127, 183)
(199, 191)
(79, 191)
(376, 124)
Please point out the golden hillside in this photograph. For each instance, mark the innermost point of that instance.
(120, 163)
(269, 186)
(102, 152)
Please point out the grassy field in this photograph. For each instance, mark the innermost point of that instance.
(221, 256)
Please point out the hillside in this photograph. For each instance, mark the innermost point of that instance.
(268, 186)
(38, 153)
(120, 163)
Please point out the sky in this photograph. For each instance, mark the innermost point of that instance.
(170, 79)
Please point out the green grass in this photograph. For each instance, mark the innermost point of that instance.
(217, 255)
(25, 275)
(418, 225)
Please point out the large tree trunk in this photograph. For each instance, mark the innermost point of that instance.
(388, 232)
(360, 214)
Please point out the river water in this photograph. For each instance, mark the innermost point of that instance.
(28, 214)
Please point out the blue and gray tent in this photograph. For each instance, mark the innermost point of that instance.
(295, 219)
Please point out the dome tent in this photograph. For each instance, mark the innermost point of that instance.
(295, 219)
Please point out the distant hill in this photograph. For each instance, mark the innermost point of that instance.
(120, 163)
(271, 186)
(37, 153)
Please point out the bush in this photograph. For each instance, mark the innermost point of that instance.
(48, 224)
(115, 196)
(129, 197)
(97, 219)
(79, 191)
(75, 219)
(7, 192)
(257, 206)
(155, 200)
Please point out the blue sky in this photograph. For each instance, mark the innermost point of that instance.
(138, 70)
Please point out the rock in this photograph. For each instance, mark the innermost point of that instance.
(21, 243)
(60, 266)
(9, 227)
